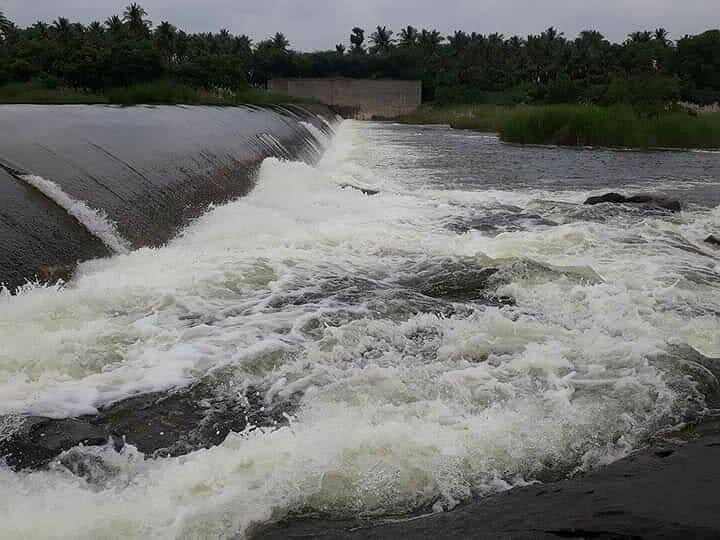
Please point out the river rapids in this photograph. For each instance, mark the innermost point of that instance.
(469, 328)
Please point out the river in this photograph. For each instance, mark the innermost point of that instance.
(469, 328)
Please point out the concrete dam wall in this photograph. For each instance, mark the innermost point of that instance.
(80, 182)
(362, 99)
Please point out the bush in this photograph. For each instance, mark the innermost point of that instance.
(167, 92)
(608, 126)
(21, 70)
(49, 81)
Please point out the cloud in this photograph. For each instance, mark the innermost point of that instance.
(320, 24)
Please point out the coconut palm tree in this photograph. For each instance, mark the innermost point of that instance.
(430, 41)
(408, 37)
(340, 49)
(280, 42)
(62, 28)
(165, 37)
(382, 40)
(662, 36)
(134, 17)
(5, 23)
(357, 38)
(115, 25)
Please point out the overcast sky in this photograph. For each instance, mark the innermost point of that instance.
(320, 24)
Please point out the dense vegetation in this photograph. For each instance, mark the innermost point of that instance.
(647, 71)
(578, 125)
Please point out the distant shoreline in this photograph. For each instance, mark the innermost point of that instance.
(579, 125)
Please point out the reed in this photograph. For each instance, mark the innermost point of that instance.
(477, 117)
(577, 125)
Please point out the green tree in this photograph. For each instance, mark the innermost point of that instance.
(135, 18)
(382, 40)
(357, 40)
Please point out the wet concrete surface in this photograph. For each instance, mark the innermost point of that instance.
(150, 169)
(38, 239)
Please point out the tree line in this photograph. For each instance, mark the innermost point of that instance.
(464, 67)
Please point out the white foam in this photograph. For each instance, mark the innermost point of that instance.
(95, 221)
(396, 412)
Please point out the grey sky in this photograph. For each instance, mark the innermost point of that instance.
(320, 24)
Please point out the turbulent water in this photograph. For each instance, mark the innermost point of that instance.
(469, 328)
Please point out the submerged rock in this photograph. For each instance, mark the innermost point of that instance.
(650, 200)
(161, 424)
(39, 440)
(364, 191)
(713, 240)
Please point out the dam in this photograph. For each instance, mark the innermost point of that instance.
(362, 99)
(251, 348)
(81, 182)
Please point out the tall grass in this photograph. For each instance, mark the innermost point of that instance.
(35, 92)
(158, 92)
(478, 117)
(575, 125)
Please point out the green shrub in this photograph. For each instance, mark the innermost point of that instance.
(167, 92)
(577, 125)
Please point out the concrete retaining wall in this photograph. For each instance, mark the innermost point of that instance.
(149, 169)
(356, 98)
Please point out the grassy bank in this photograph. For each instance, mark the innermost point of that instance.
(574, 125)
(578, 125)
(159, 92)
(477, 117)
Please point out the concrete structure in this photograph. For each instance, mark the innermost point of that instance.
(147, 170)
(363, 99)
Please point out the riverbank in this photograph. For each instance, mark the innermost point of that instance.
(158, 92)
(662, 492)
(578, 125)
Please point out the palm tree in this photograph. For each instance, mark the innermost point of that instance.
(63, 28)
(430, 41)
(280, 42)
(357, 38)
(408, 36)
(134, 16)
(114, 24)
(96, 30)
(381, 39)
(165, 37)
(5, 24)
(458, 41)
(662, 36)
(40, 29)
(641, 37)
(242, 45)
(340, 49)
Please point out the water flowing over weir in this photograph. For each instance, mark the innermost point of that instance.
(309, 349)
(131, 176)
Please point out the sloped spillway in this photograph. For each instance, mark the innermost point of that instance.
(79, 182)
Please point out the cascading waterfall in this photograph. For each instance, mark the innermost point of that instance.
(443, 340)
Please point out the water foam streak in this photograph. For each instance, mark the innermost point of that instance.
(95, 221)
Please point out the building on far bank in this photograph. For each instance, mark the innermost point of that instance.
(362, 99)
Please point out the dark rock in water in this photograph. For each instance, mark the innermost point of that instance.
(39, 440)
(614, 198)
(363, 190)
(161, 423)
(650, 200)
(712, 239)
